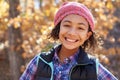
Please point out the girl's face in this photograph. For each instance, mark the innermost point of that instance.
(74, 31)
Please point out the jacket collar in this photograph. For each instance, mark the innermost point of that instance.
(83, 57)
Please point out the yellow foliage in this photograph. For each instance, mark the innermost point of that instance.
(111, 51)
(103, 17)
(109, 5)
(47, 12)
(24, 55)
(3, 8)
(36, 25)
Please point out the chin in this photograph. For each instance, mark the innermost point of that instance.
(71, 47)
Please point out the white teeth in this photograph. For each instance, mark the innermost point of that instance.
(71, 40)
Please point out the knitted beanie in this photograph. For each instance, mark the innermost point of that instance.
(74, 8)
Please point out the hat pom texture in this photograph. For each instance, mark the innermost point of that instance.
(74, 8)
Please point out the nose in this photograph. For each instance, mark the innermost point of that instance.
(72, 31)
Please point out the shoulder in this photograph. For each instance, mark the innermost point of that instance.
(30, 69)
(105, 74)
(34, 60)
(93, 59)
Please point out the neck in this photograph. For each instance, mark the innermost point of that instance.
(65, 53)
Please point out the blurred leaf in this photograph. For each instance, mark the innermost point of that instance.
(109, 5)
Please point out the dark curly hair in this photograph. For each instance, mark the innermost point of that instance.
(91, 43)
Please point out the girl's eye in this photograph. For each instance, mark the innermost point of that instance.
(81, 28)
(66, 25)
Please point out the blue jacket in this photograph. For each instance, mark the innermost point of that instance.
(84, 70)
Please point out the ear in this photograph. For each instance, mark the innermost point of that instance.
(89, 34)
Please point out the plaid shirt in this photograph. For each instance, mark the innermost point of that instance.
(61, 69)
(29, 73)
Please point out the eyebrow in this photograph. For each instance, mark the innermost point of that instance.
(70, 22)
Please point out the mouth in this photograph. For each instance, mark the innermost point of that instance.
(71, 40)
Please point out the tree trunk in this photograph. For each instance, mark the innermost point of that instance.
(15, 41)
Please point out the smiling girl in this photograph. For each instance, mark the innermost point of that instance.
(74, 28)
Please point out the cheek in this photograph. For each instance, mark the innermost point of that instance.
(62, 31)
(83, 36)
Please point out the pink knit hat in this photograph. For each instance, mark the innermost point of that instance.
(74, 8)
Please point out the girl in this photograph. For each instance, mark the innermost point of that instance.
(74, 27)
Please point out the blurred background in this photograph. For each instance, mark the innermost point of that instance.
(25, 24)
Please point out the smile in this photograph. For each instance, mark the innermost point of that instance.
(71, 40)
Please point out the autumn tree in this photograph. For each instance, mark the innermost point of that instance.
(15, 41)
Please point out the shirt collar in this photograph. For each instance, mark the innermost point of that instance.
(69, 59)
